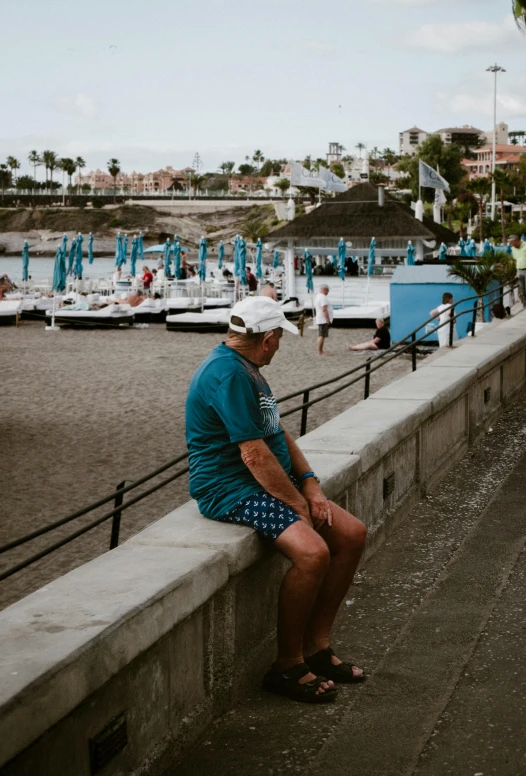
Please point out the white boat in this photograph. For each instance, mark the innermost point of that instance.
(10, 310)
(114, 315)
(217, 320)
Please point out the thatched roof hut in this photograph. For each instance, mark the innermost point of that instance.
(357, 216)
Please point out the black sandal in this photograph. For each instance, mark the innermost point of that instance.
(321, 663)
(287, 683)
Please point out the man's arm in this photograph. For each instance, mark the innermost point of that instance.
(325, 311)
(311, 489)
(265, 467)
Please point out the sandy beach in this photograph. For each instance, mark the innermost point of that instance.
(84, 410)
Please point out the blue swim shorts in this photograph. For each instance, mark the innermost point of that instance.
(265, 513)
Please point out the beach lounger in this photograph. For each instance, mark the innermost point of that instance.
(115, 315)
(10, 309)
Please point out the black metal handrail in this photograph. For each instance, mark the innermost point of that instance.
(370, 366)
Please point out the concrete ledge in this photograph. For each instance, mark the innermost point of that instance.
(63, 642)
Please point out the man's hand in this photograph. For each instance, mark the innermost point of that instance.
(319, 506)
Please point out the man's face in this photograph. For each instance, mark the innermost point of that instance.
(516, 243)
(379, 323)
(270, 345)
(324, 291)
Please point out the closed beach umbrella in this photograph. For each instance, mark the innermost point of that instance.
(141, 246)
(177, 258)
(133, 256)
(508, 249)
(237, 267)
(220, 255)
(342, 255)
(25, 262)
(64, 244)
(410, 254)
(307, 258)
(472, 250)
(370, 261)
(78, 265)
(118, 249)
(487, 246)
(90, 248)
(442, 252)
(259, 258)
(242, 261)
(125, 249)
(275, 263)
(167, 258)
(72, 256)
(59, 272)
(333, 260)
(202, 259)
(462, 246)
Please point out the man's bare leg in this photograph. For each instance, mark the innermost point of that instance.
(345, 539)
(363, 346)
(301, 585)
(321, 341)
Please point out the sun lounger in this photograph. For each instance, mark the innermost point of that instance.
(10, 309)
(114, 315)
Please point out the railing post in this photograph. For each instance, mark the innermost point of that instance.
(116, 521)
(413, 351)
(367, 379)
(304, 412)
(451, 327)
(474, 321)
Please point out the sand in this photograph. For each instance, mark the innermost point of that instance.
(84, 410)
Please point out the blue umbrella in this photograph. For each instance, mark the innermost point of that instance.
(342, 255)
(78, 266)
(462, 246)
(275, 263)
(509, 250)
(177, 258)
(472, 249)
(133, 256)
(242, 249)
(259, 258)
(167, 260)
(64, 244)
(442, 252)
(307, 257)
(237, 267)
(202, 259)
(220, 255)
(59, 272)
(125, 249)
(487, 246)
(141, 246)
(90, 249)
(370, 261)
(25, 262)
(410, 254)
(72, 256)
(119, 252)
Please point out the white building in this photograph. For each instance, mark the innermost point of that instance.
(503, 137)
(410, 139)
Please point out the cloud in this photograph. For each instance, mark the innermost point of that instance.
(406, 2)
(81, 105)
(318, 47)
(480, 104)
(452, 38)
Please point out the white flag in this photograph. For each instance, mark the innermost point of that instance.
(331, 182)
(300, 176)
(440, 198)
(430, 178)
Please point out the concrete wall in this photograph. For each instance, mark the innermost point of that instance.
(164, 632)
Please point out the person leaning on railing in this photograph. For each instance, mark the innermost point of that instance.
(246, 469)
(518, 251)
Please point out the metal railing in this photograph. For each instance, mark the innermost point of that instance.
(409, 344)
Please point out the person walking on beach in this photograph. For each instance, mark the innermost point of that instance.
(444, 312)
(324, 317)
(380, 341)
(518, 251)
(246, 469)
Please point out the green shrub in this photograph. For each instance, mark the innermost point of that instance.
(97, 202)
(115, 221)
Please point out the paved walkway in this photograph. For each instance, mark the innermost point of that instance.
(437, 618)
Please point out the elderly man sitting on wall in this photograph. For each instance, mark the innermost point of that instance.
(246, 469)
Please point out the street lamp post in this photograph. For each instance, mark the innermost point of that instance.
(494, 69)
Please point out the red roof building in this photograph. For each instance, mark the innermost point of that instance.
(507, 158)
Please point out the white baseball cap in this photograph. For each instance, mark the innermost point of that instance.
(260, 314)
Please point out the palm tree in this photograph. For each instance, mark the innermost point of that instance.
(478, 275)
(283, 185)
(114, 168)
(480, 187)
(360, 147)
(4, 177)
(258, 158)
(34, 159)
(502, 182)
(227, 167)
(519, 11)
(13, 164)
(50, 160)
(389, 157)
(69, 167)
(79, 165)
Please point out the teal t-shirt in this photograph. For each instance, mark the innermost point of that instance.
(228, 401)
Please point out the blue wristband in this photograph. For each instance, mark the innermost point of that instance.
(307, 476)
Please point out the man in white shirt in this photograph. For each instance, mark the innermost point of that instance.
(324, 317)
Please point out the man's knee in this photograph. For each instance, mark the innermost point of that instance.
(351, 531)
(315, 557)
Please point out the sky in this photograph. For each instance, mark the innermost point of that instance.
(153, 82)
